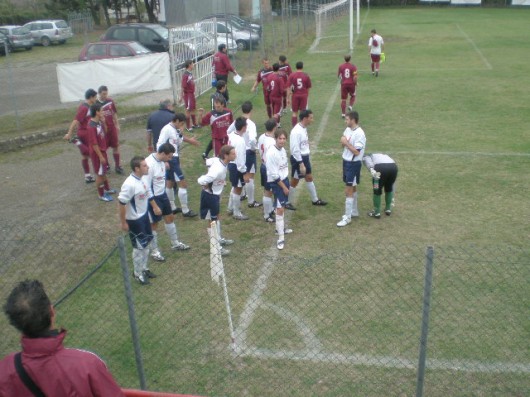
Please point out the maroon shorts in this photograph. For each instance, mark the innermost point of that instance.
(299, 103)
(276, 104)
(99, 168)
(266, 98)
(218, 144)
(347, 89)
(375, 57)
(189, 101)
(111, 136)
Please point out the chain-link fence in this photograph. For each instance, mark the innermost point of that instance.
(390, 320)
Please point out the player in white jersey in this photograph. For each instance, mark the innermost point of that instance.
(376, 46)
(354, 141)
(134, 218)
(278, 178)
(237, 168)
(384, 172)
(160, 207)
(265, 141)
(212, 186)
(172, 133)
(300, 162)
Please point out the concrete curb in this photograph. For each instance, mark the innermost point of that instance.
(38, 138)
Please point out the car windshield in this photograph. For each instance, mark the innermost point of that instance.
(61, 24)
(139, 49)
(20, 30)
(162, 31)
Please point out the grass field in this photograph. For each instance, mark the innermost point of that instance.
(338, 312)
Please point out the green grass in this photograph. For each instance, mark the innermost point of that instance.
(449, 106)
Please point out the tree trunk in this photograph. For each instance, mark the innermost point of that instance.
(106, 13)
(150, 6)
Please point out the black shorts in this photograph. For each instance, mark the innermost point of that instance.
(295, 166)
(236, 177)
(388, 177)
(140, 231)
(209, 203)
(163, 202)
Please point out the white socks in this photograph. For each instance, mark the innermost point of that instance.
(267, 206)
(312, 190)
(292, 191)
(250, 190)
(171, 196)
(183, 198)
(236, 203)
(139, 257)
(171, 230)
(280, 227)
(349, 207)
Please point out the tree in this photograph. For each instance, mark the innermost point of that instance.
(150, 8)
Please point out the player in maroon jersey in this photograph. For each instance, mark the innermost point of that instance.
(285, 72)
(112, 126)
(348, 81)
(97, 143)
(222, 66)
(188, 95)
(219, 119)
(298, 91)
(263, 75)
(80, 122)
(276, 89)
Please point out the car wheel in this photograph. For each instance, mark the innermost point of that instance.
(241, 45)
(45, 41)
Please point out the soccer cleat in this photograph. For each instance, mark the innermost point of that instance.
(350, 108)
(149, 274)
(280, 244)
(119, 170)
(180, 246)
(141, 278)
(343, 115)
(177, 210)
(225, 241)
(89, 179)
(393, 202)
(241, 217)
(346, 220)
(376, 73)
(106, 198)
(243, 197)
(157, 256)
(269, 219)
(196, 126)
(204, 157)
(289, 206)
(374, 214)
(224, 252)
(255, 204)
(189, 129)
(110, 191)
(230, 211)
(388, 212)
(189, 214)
(75, 140)
(320, 202)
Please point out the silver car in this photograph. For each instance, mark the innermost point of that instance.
(19, 36)
(49, 31)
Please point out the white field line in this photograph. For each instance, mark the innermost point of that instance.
(470, 41)
(318, 356)
(435, 153)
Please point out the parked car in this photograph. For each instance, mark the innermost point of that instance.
(50, 31)
(244, 39)
(238, 20)
(199, 43)
(19, 36)
(4, 42)
(112, 49)
(150, 35)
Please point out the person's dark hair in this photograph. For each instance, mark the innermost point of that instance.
(90, 93)
(299, 65)
(282, 58)
(220, 99)
(279, 132)
(94, 109)
(28, 308)
(102, 88)
(246, 107)
(166, 148)
(225, 151)
(164, 104)
(220, 85)
(240, 123)
(179, 117)
(353, 115)
(276, 67)
(136, 161)
(270, 124)
(221, 47)
(304, 113)
(347, 57)
(373, 31)
(188, 63)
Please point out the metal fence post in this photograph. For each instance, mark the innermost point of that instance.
(427, 288)
(132, 317)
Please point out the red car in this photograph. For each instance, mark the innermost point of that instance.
(112, 49)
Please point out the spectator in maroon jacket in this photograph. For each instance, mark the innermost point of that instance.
(55, 370)
(222, 66)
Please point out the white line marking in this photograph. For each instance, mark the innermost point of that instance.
(430, 153)
(470, 41)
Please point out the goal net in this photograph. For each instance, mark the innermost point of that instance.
(332, 27)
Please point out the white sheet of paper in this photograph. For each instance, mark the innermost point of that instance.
(237, 78)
